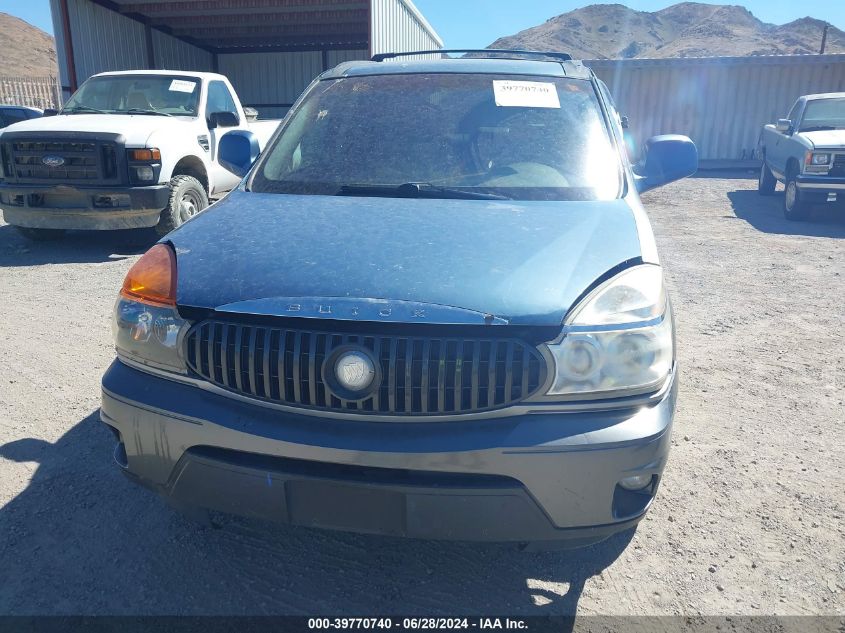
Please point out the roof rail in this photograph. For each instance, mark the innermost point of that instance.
(564, 57)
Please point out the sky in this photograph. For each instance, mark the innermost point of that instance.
(477, 23)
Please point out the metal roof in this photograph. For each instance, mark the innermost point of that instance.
(470, 65)
(239, 25)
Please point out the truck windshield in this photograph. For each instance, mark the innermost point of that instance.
(824, 114)
(136, 94)
(445, 135)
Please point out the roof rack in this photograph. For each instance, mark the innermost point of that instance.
(564, 57)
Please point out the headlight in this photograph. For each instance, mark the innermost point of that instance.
(144, 164)
(149, 335)
(618, 341)
(147, 327)
(819, 159)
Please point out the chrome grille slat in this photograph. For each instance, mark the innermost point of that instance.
(312, 370)
(265, 364)
(419, 375)
(297, 358)
(237, 354)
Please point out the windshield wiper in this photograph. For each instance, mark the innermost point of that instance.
(143, 111)
(82, 108)
(416, 190)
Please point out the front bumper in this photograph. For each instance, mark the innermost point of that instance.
(531, 477)
(71, 207)
(821, 188)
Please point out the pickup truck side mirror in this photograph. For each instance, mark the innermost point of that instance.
(665, 159)
(784, 125)
(222, 119)
(238, 150)
(50, 112)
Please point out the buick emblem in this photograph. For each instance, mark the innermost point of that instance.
(53, 161)
(354, 371)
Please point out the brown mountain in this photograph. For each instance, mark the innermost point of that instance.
(25, 51)
(688, 29)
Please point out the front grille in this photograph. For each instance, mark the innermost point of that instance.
(83, 161)
(838, 167)
(419, 375)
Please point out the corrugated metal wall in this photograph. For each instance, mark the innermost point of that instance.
(719, 102)
(397, 25)
(106, 40)
(172, 53)
(58, 34)
(270, 82)
(338, 57)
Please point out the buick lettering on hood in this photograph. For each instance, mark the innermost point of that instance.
(433, 308)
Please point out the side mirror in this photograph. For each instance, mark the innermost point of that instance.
(665, 159)
(222, 119)
(238, 150)
(50, 112)
(784, 125)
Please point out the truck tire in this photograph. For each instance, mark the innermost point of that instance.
(766, 182)
(187, 198)
(40, 235)
(794, 208)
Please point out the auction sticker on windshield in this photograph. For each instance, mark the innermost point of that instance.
(180, 85)
(525, 94)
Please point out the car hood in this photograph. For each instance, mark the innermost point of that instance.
(400, 259)
(135, 128)
(833, 139)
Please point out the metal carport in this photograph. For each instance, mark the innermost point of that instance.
(269, 49)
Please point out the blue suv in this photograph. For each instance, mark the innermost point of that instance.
(432, 308)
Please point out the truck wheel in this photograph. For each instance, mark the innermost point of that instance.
(40, 235)
(794, 208)
(187, 198)
(766, 182)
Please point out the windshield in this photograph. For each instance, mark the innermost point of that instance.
(133, 94)
(446, 134)
(824, 114)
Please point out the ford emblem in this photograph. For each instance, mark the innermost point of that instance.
(53, 161)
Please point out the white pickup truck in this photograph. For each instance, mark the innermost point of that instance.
(806, 151)
(129, 149)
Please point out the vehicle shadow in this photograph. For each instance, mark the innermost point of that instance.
(81, 247)
(727, 174)
(81, 539)
(765, 214)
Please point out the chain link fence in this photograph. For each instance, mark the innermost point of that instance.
(36, 92)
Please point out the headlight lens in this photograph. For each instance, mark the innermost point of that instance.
(150, 335)
(619, 340)
(819, 159)
(147, 327)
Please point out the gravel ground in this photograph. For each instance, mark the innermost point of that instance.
(749, 519)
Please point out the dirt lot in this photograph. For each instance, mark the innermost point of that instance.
(750, 518)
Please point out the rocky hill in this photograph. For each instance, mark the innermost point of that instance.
(25, 51)
(688, 29)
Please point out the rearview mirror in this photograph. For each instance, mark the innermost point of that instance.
(783, 125)
(222, 119)
(238, 151)
(665, 159)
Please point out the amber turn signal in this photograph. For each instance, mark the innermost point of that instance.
(145, 155)
(152, 279)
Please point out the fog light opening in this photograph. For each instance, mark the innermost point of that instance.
(120, 457)
(636, 482)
